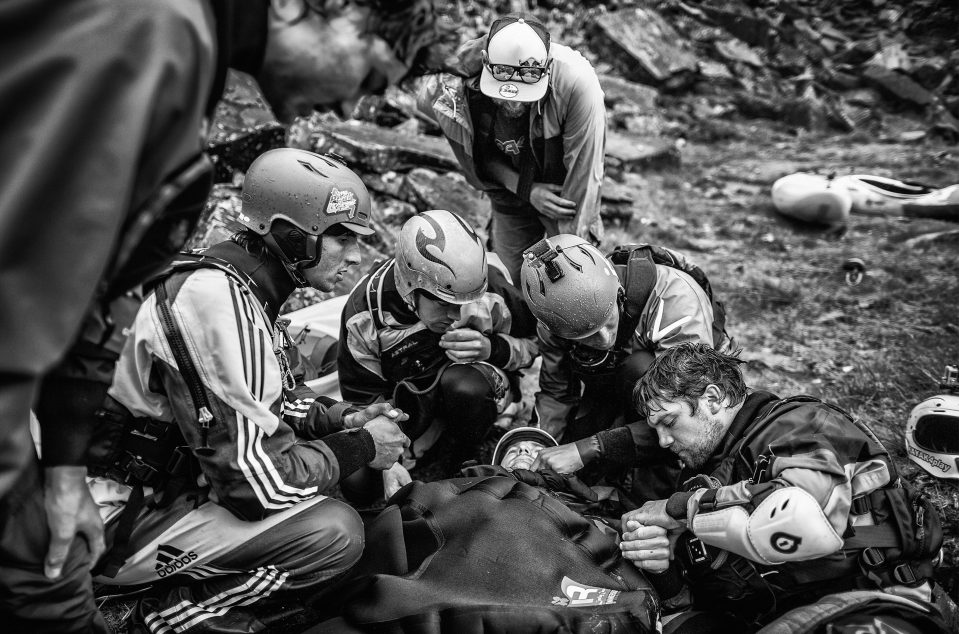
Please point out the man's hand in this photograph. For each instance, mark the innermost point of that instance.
(362, 417)
(70, 511)
(544, 198)
(653, 513)
(562, 459)
(389, 440)
(648, 547)
(394, 479)
(465, 345)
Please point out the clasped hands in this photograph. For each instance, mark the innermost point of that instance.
(649, 536)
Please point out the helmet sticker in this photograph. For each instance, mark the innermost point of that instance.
(341, 201)
(930, 459)
(508, 91)
(439, 242)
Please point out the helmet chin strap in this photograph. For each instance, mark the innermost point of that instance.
(295, 269)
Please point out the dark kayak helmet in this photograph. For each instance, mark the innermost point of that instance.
(291, 197)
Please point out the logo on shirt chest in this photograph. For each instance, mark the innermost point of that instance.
(511, 146)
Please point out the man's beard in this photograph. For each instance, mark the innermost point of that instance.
(712, 434)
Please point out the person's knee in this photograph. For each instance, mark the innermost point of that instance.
(334, 535)
(465, 386)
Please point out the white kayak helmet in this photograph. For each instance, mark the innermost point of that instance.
(932, 434)
(438, 252)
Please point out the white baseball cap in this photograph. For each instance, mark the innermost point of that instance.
(518, 43)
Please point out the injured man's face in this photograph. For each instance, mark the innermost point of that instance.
(521, 455)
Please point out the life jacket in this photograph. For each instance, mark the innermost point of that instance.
(899, 549)
(417, 358)
(145, 453)
(636, 266)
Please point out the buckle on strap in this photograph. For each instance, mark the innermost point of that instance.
(743, 568)
(904, 574)
(696, 551)
(872, 557)
(861, 505)
(138, 471)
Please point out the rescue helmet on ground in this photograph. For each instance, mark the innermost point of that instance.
(438, 252)
(290, 195)
(570, 287)
(932, 435)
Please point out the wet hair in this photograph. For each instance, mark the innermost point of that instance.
(682, 373)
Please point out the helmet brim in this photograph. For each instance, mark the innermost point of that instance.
(520, 434)
(362, 230)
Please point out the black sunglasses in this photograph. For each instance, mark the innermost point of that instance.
(506, 72)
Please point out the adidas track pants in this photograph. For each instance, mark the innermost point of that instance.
(221, 574)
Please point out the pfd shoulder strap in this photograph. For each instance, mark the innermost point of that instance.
(640, 279)
(184, 362)
(374, 294)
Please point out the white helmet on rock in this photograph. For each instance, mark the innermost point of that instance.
(932, 436)
(570, 287)
(438, 252)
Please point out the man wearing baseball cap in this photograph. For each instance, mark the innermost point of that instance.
(526, 120)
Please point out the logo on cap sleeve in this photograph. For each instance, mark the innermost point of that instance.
(508, 91)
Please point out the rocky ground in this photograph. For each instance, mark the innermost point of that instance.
(746, 92)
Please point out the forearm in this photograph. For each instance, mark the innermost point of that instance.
(512, 353)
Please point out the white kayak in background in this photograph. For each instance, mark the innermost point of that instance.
(812, 198)
(881, 195)
(829, 200)
(942, 204)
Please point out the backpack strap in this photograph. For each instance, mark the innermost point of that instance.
(640, 279)
(181, 355)
(374, 294)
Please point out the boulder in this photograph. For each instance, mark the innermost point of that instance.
(643, 45)
(617, 91)
(627, 153)
(243, 127)
(900, 86)
(366, 146)
(426, 189)
(219, 218)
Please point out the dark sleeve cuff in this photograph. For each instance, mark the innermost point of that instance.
(676, 504)
(588, 449)
(337, 412)
(498, 351)
(65, 410)
(616, 446)
(353, 449)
